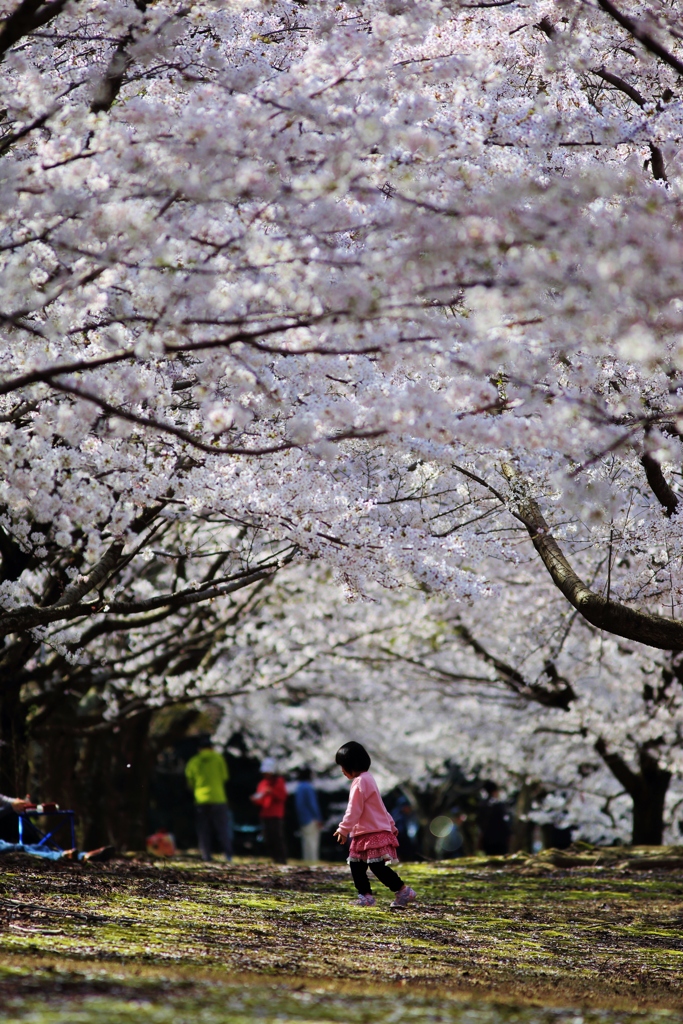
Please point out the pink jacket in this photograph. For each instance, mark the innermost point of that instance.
(365, 811)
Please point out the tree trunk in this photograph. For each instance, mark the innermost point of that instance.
(103, 774)
(647, 789)
(113, 772)
(129, 797)
(523, 827)
(13, 752)
(648, 802)
(13, 715)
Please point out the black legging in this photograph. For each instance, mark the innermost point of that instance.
(359, 873)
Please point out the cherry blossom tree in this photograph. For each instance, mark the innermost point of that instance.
(103, 695)
(585, 727)
(397, 286)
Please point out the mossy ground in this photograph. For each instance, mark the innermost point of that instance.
(511, 941)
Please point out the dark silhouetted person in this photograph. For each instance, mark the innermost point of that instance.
(207, 774)
(494, 823)
(407, 825)
(271, 797)
(308, 813)
(452, 844)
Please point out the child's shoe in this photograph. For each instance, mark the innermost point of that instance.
(402, 898)
(365, 900)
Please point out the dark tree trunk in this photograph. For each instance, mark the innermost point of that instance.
(522, 826)
(92, 780)
(13, 751)
(648, 802)
(130, 790)
(647, 789)
(114, 772)
(13, 715)
(102, 773)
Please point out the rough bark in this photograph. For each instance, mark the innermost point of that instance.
(98, 574)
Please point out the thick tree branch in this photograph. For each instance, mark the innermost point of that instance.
(659, 484)
(618, 767)
(643, 37)
(22, 619)
(14, 559)
(29, 15)
(621, 85)
(639, 784)
(657, 163)
(561, 696)
(643, 627)
(75, 591)
(110, 84)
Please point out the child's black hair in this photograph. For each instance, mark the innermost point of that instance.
(353, 757)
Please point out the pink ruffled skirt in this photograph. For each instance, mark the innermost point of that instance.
(374, 847)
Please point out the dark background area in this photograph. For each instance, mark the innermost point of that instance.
(172, 806)
(162, 801)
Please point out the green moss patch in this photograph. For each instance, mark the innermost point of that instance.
(133, 939)
(270, 1004)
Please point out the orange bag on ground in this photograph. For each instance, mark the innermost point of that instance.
(161, 844)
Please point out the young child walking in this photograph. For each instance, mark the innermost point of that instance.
(373, 833)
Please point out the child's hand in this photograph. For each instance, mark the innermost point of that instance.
(340, 837)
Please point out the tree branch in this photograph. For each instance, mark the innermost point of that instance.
(612, 616)
(642, 36)
(657, 163)
(560, 697)
(45, 375)
(75, 591)
(110, 84)
(659, 484)
(13, 137)
(619, 769)
(27, 17)
(22, 619)
(620, 84)
(203, 446)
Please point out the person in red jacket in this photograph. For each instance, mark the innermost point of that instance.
(270, 797)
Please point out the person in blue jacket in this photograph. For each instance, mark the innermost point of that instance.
(308, 813)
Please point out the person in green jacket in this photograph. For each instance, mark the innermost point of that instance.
(207, 774)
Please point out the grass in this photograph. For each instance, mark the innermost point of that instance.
(518, 940)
